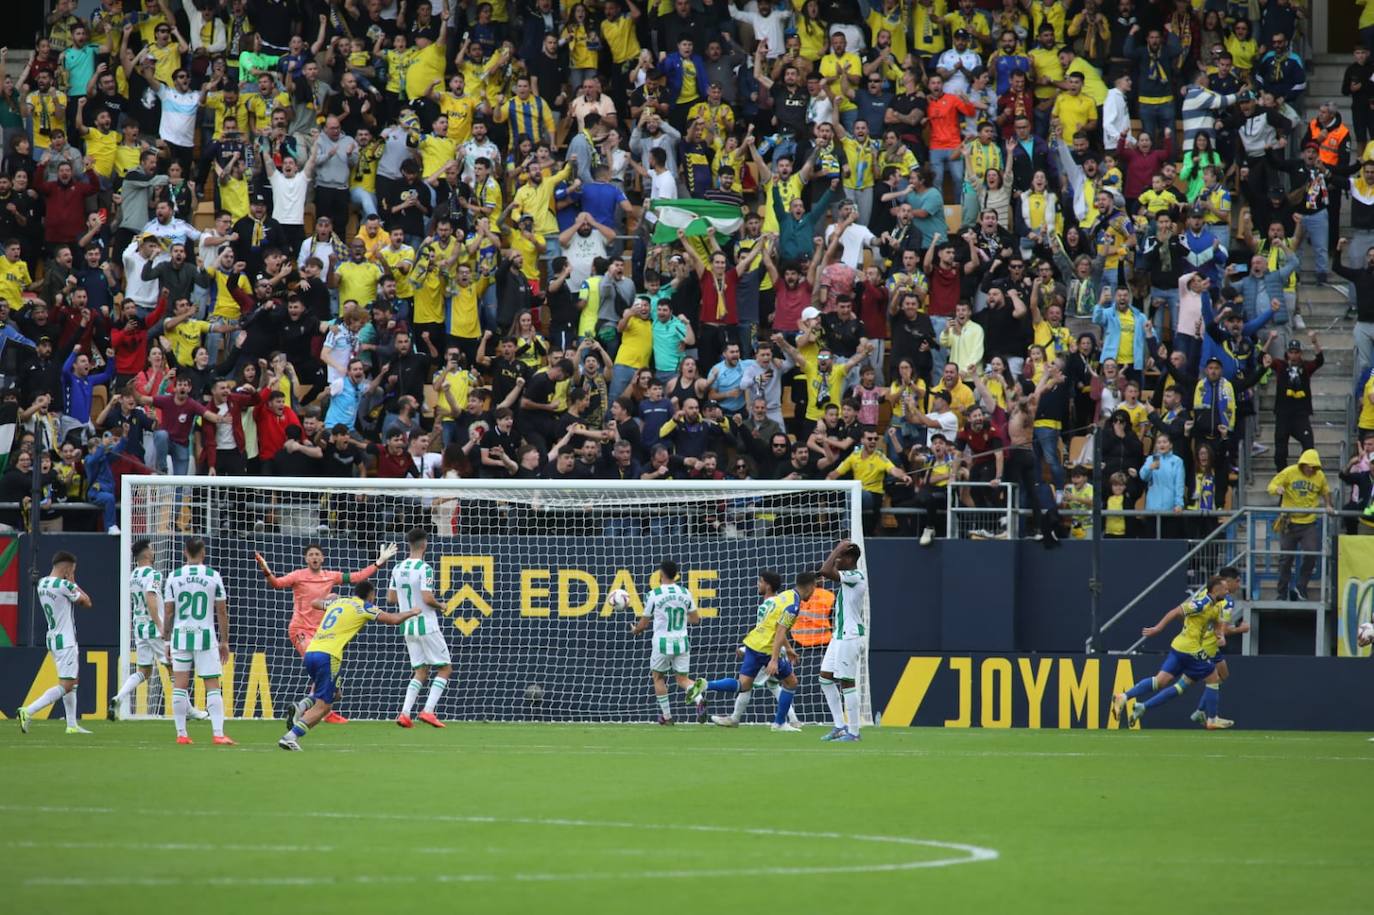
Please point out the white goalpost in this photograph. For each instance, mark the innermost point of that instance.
(523, 569)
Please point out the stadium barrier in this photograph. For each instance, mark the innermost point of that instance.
(923, 599)
(924, 690)
(1075, 691)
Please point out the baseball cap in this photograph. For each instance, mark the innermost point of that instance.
(810, 313)
(963, 33)
(1211, 359)
(262, 278)
(258, 198)
(1196, 210)
(1295, 346)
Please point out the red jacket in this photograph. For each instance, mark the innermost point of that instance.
(209, 448)
(1138, 168)
(65, 220)
(131, 346)
(271, 428)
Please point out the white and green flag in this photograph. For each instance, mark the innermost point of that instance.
(695, 218)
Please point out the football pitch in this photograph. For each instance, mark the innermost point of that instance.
(608, 819)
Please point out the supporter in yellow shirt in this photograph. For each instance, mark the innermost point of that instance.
(101, 141)
(358, 276)
(1075, 110)
(871, 468)
(14, 276)
(842, 70)
(398, 257)
(430, 60)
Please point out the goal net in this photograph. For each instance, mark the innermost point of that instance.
(523, 572)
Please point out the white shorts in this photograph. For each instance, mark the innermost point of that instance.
(68, 661)
(842, 659)
(680, 663)
(148, 652)
(428, 650)
(205, 663)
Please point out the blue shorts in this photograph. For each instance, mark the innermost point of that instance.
(1194, 668)
(756, 661)
(324, 674)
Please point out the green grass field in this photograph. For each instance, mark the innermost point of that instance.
(524, 818)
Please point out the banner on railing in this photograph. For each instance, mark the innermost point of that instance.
(1355, 573)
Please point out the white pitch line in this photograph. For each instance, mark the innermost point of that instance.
(598, 750)
(962, 853)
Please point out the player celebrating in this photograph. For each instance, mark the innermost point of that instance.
(1231, 575)
(1190, 656)
(192, 637)
(764, 647)
(342, 619)
(841, 662)
(56, 595)
(671, 609)
(145, 603)
(412, 588)
(308, 585)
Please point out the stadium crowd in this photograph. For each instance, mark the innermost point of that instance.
(907, 241)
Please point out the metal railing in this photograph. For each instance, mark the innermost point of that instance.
(1247, 540)
(979, 521)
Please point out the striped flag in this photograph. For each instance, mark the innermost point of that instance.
(695, 218)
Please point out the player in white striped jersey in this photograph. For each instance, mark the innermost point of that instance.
(145, 605)
(670, 608)
(412, 588)
(57, 594)
(193, 641)
(840, 666)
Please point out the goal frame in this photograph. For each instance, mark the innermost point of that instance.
(131, 484)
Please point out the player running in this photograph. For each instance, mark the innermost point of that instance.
(1228, 616)
(57, 593)
(341, 619)
(1190, 657)
(190, 631)
(145, 603)
(412, 588)
(308, 585)
(841, 661)
(671, 609)
(764, 649)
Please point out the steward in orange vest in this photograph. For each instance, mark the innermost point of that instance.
(812, 627)
(1332, 139)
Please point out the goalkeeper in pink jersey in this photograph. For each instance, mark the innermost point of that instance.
(314, 583)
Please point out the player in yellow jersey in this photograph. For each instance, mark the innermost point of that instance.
(1191, 657)
(764, 649)
(344, 617)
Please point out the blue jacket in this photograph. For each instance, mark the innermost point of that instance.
(99, 477)
(1204, 254)
(78, 390)
(672, 68)
(1235, 361)
(8, 334)
(1107, 318)
(1166, 484)
(1260, 291)
(1285, 78)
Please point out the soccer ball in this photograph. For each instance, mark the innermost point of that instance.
(534, 694)
(1366, 635)
(619, 599)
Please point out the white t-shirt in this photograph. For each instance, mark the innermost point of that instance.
(288, 198)
(951, 59)
(949, 425)
(581, 252)
(179, 109)
(663, 186)
(852, 244)
(144, 292)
